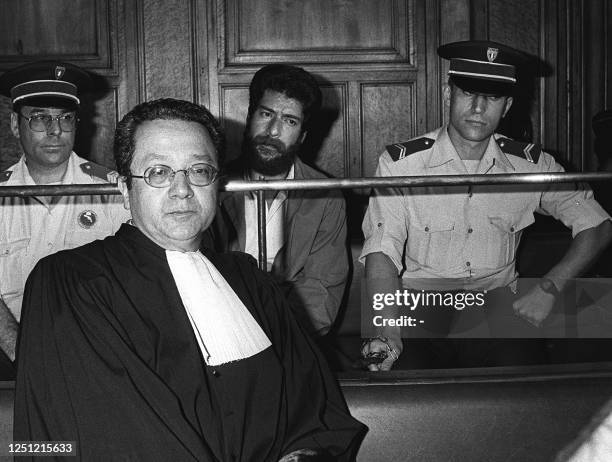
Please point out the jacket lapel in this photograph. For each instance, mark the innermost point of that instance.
(233, 204)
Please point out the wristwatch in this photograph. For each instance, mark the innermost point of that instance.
(549, 287)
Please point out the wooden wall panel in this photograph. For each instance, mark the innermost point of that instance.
(606, 40)
(168, 49)
(516, 23)
(235, 103)
(74, 30)
(18, 37)
(96, 130)
(332, 31)
(326, 146)
(388, 116)
(10, 150)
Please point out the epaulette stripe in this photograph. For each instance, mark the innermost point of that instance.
(402, 150)
(527, 152)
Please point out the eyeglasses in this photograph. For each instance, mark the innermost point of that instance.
(43, 122)
(161, 176)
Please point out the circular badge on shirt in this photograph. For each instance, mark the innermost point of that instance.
(87, 218)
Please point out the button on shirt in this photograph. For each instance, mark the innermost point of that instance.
(275, 224)
(465, 237)
(31, 228)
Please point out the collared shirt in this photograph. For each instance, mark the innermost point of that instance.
(467, 236)
(275, 224)
(31, 228)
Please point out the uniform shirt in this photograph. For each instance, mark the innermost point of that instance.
(467, 236)
(30, 228)
(275, 224)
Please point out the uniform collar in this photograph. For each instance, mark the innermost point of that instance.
(21, 175)
(443, 152)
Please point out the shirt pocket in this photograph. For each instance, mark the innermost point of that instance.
(429, 241)
(12, 277)
(504, 238)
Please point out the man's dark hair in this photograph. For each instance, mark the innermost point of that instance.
(164, 109)
(294, 82)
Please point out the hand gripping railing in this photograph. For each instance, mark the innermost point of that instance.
(326, 183)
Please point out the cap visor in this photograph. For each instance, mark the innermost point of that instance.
(48, 101)
(483, 86)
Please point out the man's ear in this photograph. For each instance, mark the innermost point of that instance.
(303, 136)
(125, 192)
(509, 102)
(15, 124)
(446, 94)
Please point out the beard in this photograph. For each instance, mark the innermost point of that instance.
(267, 155)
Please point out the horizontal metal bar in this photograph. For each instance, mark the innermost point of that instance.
(59, 190)
(330, 183)
(415, 181)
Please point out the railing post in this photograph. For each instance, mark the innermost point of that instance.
(261, 230)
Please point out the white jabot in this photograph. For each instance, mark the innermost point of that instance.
(225, 329)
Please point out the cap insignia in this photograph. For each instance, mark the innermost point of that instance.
(87, 218)
(59, 72)
(492, 54)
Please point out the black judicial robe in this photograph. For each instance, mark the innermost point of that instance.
(107, 358)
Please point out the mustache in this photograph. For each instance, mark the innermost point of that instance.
(267, 140)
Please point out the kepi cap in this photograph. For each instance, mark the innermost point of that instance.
(48, 81)
(483, 62)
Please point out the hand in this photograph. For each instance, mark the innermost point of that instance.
(390, 348)
(112, 176)
(535, 306)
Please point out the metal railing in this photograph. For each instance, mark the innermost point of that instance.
(327, 183)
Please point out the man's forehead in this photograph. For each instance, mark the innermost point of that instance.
(169, 139)
(274, 97)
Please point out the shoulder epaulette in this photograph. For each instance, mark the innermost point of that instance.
(400, 150)
(4, 176)
(97, 170)
(528, 151)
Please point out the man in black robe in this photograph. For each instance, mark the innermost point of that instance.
(119, 352)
